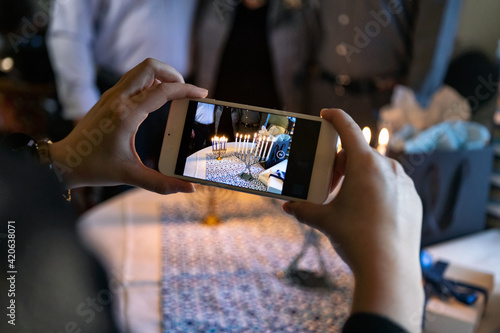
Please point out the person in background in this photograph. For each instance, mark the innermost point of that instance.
(110, 37)
(302, 55)
(93, 43)
(58, 282)
(248, 122)
(204, 126)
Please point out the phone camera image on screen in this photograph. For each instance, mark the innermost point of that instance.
(248, 149)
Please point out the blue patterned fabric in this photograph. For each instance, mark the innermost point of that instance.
(224, 278)
(227, 171)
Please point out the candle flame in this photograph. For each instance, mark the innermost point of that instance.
(339, 145)
(367, 133)
(383, 137)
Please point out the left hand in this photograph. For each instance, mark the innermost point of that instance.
(101, 148)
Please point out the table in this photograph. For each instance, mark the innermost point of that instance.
(126, 233)
(480, 251)
(227, 170)
(203, 265)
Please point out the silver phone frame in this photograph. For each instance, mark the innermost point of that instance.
(321, 176)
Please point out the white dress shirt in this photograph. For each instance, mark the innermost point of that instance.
(115, 35)
(205, 113)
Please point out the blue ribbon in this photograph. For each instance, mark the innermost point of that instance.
(437, 285)
(279, 174)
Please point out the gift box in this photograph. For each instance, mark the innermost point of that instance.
(273, 179)
(453, 187)
(275, 184)
(447, 311)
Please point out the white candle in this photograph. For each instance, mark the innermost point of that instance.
(237, 143)
(265, 149)
(383, 141)
(212, 143)
(258, 147)
(247, 138)
(270, 148)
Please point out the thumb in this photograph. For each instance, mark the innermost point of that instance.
(155, 181)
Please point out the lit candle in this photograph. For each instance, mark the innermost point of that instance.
(270, 148)
(383, 141)
(237, 144)
(247, 138)
(367, 134)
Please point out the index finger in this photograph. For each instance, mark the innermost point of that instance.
(144, 75)
(352, 138)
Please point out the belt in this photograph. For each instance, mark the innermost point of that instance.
(249, 125)
(344, 82)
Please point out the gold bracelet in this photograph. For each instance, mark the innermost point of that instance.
(43, 149)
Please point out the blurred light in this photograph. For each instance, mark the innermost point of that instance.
(6, 64)
(367, 134)
(383, 137)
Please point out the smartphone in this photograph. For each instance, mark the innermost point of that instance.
(246, 148)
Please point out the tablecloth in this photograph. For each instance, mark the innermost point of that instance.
(224, 278)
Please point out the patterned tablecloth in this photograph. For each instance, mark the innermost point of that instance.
(224, 278)
(228, 169)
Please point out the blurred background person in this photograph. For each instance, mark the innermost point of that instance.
(369, 47)
(93, 43)
(204, 126)
(304, 55)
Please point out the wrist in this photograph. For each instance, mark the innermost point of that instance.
(65, 172)
(392, 289)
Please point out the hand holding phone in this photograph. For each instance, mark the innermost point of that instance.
(267, 152)
(374, 223)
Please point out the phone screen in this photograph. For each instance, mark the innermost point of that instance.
(248, 149)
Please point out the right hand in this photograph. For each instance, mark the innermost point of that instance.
(374, 223)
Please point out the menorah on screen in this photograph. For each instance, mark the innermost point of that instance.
(251, 153)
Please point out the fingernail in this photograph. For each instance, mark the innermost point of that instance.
(187, 188)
